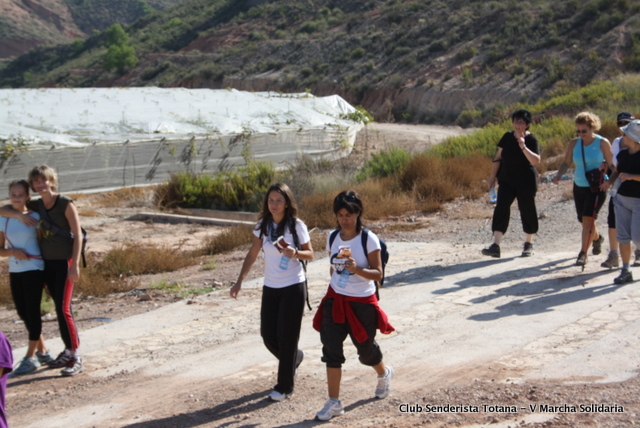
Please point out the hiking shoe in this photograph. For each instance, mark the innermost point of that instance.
(637, 261)
(597, 245)
(61, 361)
(528, 249)
(384, 383)
(625, 276)
(493, 251)
(613, 261)
(582, 259)
(27, 365)
(44, 359)
(331, 408)
(74, 366)
(279, 396)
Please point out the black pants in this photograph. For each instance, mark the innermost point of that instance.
(611, 218)
(526, 203)
(280, 322)
(333, 335)
(26, 290)
(61, 290)
(587, 204)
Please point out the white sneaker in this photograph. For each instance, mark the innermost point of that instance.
(279, 396)
(331, 408)
(384, 383)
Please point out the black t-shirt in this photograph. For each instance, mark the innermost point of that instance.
(515, 169)
(629, 163)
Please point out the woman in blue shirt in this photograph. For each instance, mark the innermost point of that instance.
(588, 151)
(26, 274)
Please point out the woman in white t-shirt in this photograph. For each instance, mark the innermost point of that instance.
(26, 276)
(350, 307)
(284, 291)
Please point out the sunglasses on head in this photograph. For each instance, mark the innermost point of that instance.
(348, 198)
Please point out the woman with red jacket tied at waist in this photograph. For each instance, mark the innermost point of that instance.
(350, 306)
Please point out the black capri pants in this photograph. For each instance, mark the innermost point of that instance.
(333, 335)
(526, 203)
(26, 290)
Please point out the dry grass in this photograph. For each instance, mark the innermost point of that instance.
(131, 197)
(381, 198)
(433, 181)
(5, 289)
(318, 242)
(229, 239)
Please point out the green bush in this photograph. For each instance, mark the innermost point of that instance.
(384, 164)
(239, 190)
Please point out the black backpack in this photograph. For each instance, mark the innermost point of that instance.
(384, 253)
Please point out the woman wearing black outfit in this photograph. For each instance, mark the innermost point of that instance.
(515, 168)
(627, 199)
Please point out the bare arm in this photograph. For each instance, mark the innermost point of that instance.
(532, 157)
(494, 167)
(9, 212)
(605, 147)
(15, 252)
(71, 214)
(566, 162)
(249, 260)
(373, 272)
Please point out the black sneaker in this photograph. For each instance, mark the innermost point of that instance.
(597, 245)
(637, 254)
(625, 276)
(528, 249)
(493, 251)
(582, 259)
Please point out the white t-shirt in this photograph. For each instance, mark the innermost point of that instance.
(279, 271)
(345, 282)
(22, 237)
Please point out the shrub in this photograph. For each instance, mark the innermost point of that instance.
(384, 164)
(229, 239)
(240, 189)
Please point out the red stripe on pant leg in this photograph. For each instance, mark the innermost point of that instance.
(66, 310)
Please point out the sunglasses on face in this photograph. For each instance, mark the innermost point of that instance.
(621, 124)
(581, 131)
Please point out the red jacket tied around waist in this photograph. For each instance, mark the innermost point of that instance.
(342, 312)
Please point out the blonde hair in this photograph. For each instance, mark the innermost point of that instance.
(44, 171)
(589, 119)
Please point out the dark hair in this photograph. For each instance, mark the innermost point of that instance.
(522, 114)
(22, 182)
(350, 201)
(290, 214)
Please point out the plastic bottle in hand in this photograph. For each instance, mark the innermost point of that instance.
(281, 244)
(493, 196)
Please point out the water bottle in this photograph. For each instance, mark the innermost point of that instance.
(613, 190)
(344, 278)
(493, 197)
(284, 263)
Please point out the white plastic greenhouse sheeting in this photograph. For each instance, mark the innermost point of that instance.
(110, 137)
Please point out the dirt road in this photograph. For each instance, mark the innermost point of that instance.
(486, 342)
